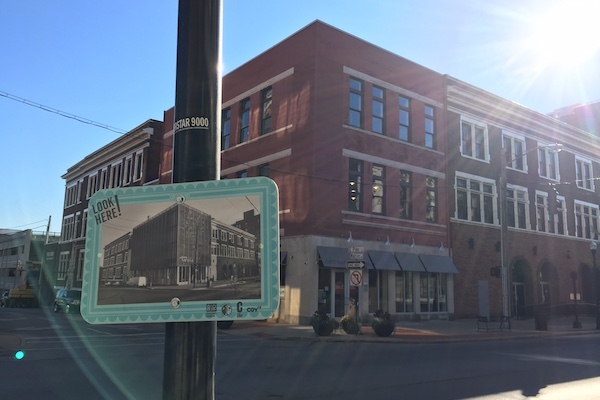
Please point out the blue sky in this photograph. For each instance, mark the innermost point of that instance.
(113, 62)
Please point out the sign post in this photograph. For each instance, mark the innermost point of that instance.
(190, 347)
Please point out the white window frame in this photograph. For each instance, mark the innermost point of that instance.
(549, 153)
(582, 219)
(562, 210)
(80, 263)
(138, 165)
(116, 174)
(71, 195)
(486, 140)
(68, 227)
(79, 190)
(63, 266)
(512, 158)
(543, 207)
(92, 185)
(128, 170)
(580, 173)
(481, 180)
(520, 189)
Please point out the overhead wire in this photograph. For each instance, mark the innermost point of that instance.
(62, 113)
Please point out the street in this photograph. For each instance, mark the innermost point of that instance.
(66, 358)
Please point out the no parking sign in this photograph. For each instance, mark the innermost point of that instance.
(356, 277)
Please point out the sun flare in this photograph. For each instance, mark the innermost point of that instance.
(566, 36)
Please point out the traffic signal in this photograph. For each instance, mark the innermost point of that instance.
(19, 355)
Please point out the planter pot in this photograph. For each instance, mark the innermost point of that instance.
(322, 328)
(383, 327)
(350, 327)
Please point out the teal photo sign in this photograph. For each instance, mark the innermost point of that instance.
(197, 251)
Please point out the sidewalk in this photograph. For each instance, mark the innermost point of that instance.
(435, 331)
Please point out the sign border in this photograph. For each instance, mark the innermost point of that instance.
(248, 309)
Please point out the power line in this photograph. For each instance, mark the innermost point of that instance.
(62, 113)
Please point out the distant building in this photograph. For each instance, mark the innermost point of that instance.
(21, 255)
(583, 116)
(133, 159)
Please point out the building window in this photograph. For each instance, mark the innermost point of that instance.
(548, 163)
(79, 191)
(541, 211)
(431, 199)
(378, 120)
(71, 196)
(355, 117)
(475, 199)
(80, 262)
(474, 140)
(92, 185)
(429, 127)
(559, 217)
(405, 195)
(404, 292)
(585, 178)
(586, 220)
(244, 120)
(378, 206)
(433, 292)
(267, 101)
(116, 171)
(84, 223)
(355, 179)
(63, 266)
(404, 119)
(514, 151)
(225, 128)
(264, 170)
(103, 182)
(68, 228)
(138, 164)
(517, 207)
(128, 172)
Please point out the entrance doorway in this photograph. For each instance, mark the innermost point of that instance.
(335, 292)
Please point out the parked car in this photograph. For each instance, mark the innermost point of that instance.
(67, 300)
(4, 299)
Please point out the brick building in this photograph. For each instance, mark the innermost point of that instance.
(356, 146)
(384, 162)
(551, 203)
(130, 160)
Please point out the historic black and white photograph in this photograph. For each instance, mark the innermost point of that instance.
(193, 250)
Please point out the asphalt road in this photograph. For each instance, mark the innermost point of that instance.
(65, 358)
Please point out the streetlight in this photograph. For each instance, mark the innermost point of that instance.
(502, 199)
(593, 247)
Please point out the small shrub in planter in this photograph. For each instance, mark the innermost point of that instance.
(322, 323)
(349, 325)
(382, 323)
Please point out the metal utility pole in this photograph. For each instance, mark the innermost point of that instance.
(504, 256)
(190, 347)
